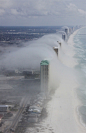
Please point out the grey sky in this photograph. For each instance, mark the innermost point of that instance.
(42, 12)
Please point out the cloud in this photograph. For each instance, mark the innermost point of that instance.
(31, 7)
(38, 7)
(14, 11)
(27, 10)
(72, 8)
(2, 11)
(82, 12)
(6, 3)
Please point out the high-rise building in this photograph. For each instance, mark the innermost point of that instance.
(66, 31)
(44, 68)
(64, 37)
(56, 50)
(59, 43)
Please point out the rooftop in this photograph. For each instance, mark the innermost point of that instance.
(55, 47)
(3, 106)
(44, 62)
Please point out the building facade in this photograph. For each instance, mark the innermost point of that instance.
(64, 37)
(44, 68)
(56, 50)
(66, 31)
(4, 108)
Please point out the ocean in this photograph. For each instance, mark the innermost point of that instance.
(80, 55)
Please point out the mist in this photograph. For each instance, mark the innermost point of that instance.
(29, 58)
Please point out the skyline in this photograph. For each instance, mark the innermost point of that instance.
(42, 12)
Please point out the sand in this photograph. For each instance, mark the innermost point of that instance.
(62, 109)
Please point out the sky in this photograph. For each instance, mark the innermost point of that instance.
(42, 12)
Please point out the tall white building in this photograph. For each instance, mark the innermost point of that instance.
(44, 68)
(56, 50)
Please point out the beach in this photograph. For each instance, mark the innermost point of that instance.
(62, 109)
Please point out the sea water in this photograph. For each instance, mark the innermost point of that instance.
(80, 55)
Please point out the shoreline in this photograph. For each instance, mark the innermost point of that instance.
(62, 115)
(79, 117)
(77, 114)
(62, 108)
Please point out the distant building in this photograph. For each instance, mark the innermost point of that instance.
(44, 68)
(59, 43)
(70, 30)
(66, 31)
(4, 108)
(64, 37)
(31, 74)
(56, 50)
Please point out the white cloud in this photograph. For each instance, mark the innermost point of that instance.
(30, 9)
(2, 11)
(72, 7)
(14, 12)
(38, 7)
(6, 3)
(82, 12)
